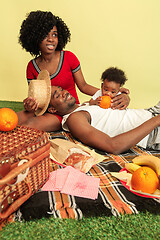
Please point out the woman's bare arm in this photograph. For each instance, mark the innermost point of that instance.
(83, 86)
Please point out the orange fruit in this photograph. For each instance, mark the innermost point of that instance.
(105, 102)
(8, 119)
(145, 179)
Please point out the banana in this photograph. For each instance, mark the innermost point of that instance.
(150, 161)
(131, 167)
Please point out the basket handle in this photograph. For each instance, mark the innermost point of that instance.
(15, 205)
(14, 172)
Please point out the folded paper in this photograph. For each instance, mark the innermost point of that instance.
(71, 181)
(76, 155)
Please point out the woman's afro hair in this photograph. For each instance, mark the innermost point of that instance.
(36, 27)
(114, 75)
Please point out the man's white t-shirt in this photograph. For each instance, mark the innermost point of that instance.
(114, 122)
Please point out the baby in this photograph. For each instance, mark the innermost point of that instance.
(112, 79)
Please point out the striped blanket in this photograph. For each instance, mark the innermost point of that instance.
(113, 197)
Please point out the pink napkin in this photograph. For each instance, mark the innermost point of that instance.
(61, 177)
(50, 184)
(73, 182)
(80, 185)
(56, 180)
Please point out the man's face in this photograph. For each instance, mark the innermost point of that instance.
(61, 100)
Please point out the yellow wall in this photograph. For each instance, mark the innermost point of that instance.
(121, 33)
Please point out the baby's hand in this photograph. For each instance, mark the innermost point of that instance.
(98, 100)
(95, 102)
(30, 104)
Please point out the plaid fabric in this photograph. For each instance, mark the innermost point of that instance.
(113, 197)
(154, 139)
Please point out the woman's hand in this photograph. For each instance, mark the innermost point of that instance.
(30, 104)
(120, 101)
(124, 90)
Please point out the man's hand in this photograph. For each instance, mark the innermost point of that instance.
(120, 101)
(157, 118)
(30, 104)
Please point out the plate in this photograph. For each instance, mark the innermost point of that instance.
(139, 193)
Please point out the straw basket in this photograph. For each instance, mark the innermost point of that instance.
(24, 166)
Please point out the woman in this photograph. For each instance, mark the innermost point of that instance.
(44, 36)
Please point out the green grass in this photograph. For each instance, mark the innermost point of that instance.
(141, 226)
(16, 106)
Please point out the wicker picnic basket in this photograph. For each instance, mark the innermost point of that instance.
(24, 166)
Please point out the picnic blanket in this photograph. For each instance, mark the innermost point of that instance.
(113, 197)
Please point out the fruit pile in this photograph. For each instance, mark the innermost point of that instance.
(145, 173)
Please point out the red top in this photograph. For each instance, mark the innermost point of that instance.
(63, 76)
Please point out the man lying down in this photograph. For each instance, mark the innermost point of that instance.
(112, 131)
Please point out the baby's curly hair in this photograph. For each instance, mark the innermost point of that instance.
(36, 27)
(114, 75)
